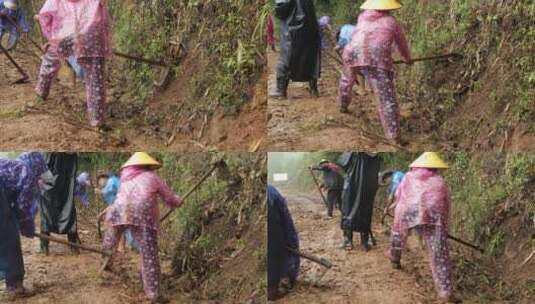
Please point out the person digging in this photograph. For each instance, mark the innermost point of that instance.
(20, 181)
(422, 205)
(333, 182)
(283, 265)
(136, 209)
(79, 28)
(369, 53)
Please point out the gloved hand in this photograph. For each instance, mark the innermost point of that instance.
(27, 228)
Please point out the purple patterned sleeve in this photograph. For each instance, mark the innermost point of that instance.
(401, 42)
(167, 194)
(20, 180)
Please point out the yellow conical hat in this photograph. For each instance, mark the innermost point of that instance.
(380, 5)
(429, 160)
(141, 159)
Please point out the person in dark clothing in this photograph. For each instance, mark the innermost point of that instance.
(358, 196)
(300, 45)
(333, 181)
(58, 211)
(281, 235)
(19, 183)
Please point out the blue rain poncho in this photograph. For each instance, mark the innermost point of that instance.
(346, 32)
(6, 26)
(397, 177)
(281, 234)
(109, 192)
(19, 184)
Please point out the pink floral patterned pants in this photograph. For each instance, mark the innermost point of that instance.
(382, 84)
(95, 88)
(436, 243)
(150, 263)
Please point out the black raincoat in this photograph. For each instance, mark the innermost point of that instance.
(360, 187)
(300, 42)
(58, 211)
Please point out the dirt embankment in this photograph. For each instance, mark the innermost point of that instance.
(180, 117)
(63, 277)
(367, 277)
(480, 100)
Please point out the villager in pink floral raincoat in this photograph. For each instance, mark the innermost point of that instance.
(422, 205)
(79, 28)
(369, 53)
(136, 209)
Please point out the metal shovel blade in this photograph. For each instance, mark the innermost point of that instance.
(164, 77)
(316, 277)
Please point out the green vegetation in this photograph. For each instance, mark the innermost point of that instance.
(220, 220)
(295, 164)
(495, 77)
(492, 206)
(481, 185)
(215, 49)
(223, 38)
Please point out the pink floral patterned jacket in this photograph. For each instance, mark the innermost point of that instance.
(373, 41)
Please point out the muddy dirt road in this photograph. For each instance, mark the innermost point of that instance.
(357, 276)
(60, 123)
(304, 123)
(64, 278)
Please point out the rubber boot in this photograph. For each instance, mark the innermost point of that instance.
(73, 238)
(330, 209)
(313, 84)
(275, 293)
(348, 240)
(282, 88)
(43, 248)
(364, 238)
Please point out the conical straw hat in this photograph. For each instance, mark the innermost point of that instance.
(141, 159)
(380, 5)
(429, 160)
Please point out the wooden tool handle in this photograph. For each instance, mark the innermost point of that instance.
(205, 176)
(79, 246)
(145, 60)
(322, 261)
